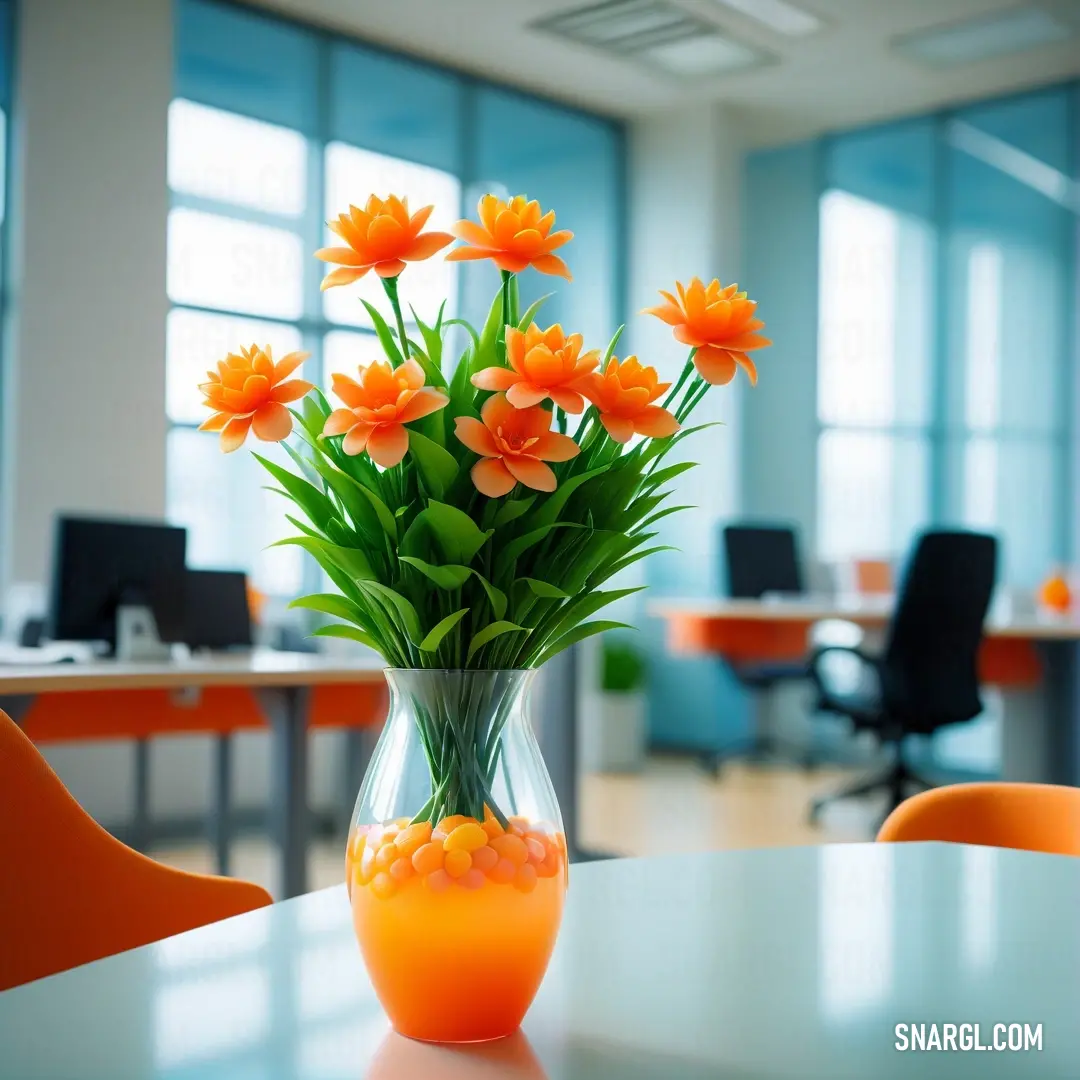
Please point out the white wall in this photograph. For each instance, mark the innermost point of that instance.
(85, 388)
(685, 196)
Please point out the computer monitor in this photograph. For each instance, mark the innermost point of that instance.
(217, 613)
(102, 565)
(761, 559)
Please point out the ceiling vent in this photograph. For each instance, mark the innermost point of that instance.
(656, 33)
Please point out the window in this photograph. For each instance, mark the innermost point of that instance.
(266, 144)
(872, 379)
(6, 50)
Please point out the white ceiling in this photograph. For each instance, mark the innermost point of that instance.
(844, 74)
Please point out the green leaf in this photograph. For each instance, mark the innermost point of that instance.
(330, 604)
(663, 514)
(517, 547)
(314, 410)
(386, 337)
(353, 633)
(579, 633)
(610, 352)
(552, 506)
(548, 592)
(489, 633)
(512, 509)
(397, 606)
(437, 466)
(434, 637)
(348, 491)
(456, 535)
(530, 314)
(305, 465)
(297, 524)
(382, 511)
(496, 597)
(433, 345)
(309, 498)
(351, 560)
(446, 577)
(662, 476)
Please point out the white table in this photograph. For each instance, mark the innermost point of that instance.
(281, 682)
(743, 965)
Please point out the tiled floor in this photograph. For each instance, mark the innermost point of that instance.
(672, 806)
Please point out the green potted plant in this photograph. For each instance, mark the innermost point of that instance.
(613, 734)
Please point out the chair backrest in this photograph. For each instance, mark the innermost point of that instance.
(930, 667)
(761, 559)
(70, 892)
(1031, 817)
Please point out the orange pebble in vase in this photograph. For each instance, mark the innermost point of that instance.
(457, 918)
(1055, 594)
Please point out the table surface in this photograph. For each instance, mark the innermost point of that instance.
(866, 611)
(261, 667)
(742, 965)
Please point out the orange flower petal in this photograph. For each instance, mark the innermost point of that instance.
(471, 233)
(552, 264)
(350, 391)
(475, 436)
(686, 336)
(344, 275)
(620, 429)
(655, 422)
(343, 256)
(568, 400)
(355, 442)
(423, 247)
(272, 422)
(512, 264)
(747, 365)
(465, 254)
(234, 433)
(497, 411)
(390, 268)
(215, 422)
(555, 447)
(531, 472)
(423, 403)
(388, 444)
(288, 364)
(523, 395)
(494, 378)
(293, 390)
(492, 478)
(339, 422)
(717, 366)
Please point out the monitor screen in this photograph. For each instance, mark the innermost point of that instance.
(102, 564)
(218, 616)
(761, 559)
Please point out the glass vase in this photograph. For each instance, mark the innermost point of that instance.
(456, 863)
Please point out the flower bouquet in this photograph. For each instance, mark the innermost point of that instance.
(470, 517)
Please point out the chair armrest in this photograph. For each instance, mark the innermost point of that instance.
(815, 672)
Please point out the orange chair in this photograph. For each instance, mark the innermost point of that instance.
(71, 893)
(1031, 817)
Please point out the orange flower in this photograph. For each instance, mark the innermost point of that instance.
(379, 407)
(719, 323)
(248, 393)
(513, 235)
(543, 364)
(381, 237)
(513, 445)
(624, 394)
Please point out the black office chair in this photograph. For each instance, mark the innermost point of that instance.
(763, 559)
(928, 675)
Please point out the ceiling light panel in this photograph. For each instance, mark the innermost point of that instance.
(984, 38)
(659, 33)
(777, 15)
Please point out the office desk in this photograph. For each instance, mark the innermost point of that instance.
(1032, 660)
(740, 965)
(217, 695)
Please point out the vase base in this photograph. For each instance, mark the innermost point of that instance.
(458, 1042)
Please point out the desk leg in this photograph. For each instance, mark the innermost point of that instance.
(286, 709)
(1040, 738)
(220, 824)
(140, 818)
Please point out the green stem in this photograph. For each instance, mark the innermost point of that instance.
(500, 337)
(390, 285)
(687, 368)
